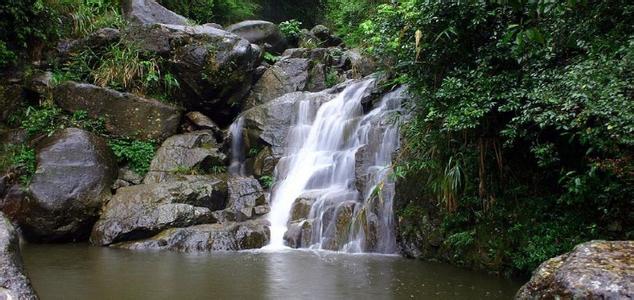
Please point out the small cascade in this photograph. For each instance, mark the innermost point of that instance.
(237, 148)
(333, 186)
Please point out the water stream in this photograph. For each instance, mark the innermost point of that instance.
(338, 161)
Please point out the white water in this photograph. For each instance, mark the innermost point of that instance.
(321, 160)
(237, 150)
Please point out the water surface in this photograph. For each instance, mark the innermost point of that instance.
(84, 272)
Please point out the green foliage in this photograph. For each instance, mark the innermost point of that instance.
(267, 181)
(291, 29)
(332, 78)
(525, 117)
(346, 16)
(271, 58)
(137, 154)
(216, 11)
(24, 162)
(46, 119)
(218, 169)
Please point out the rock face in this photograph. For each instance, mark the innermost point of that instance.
(214, 67)
(245, 193)
(125, 114)
(206, 238)
(194, 152)
(150, 12)
(286, 76)
(262, 33)
(593, 270)
(75, 170)
(144, 210)
(268, 124)
(13, 282)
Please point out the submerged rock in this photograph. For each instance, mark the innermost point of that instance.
(75, 170)
(593, 270)
(150, 12)
(13, 282)
(143, 210)
(125, 114)
(262, 33)
(206, 238)
(189, 153)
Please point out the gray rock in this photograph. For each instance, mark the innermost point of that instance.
(268, 124)
(264, 163)
(206, 238)
(75, 170)
(150, 12)
(12, 200)
(325, 36)
(14, 284)
(593, 270)
(141, 211)
(286, 76)
(261, 33)
(190, 153)
(97, 40)
(214, 67)
(41, 83)
(301, 207)
(245, 193)
(202, 122)
(261, 210)
(360, 65)
(299, 234)
(125, 114)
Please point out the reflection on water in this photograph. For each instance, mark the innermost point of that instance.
(83, 272)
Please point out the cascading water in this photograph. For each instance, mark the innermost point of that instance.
(336, 166)
(237, 151)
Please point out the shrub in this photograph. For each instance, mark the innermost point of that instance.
(291, 29)
(137, 154)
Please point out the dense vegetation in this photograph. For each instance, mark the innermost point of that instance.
(523, 130)
(524, 125)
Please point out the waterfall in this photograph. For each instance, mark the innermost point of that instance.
(334, 178)
(237, 149)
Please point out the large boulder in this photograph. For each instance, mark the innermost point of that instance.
(245, 193)
(141, 211)
(286, 76)
(190, 153)
(75, 170)
(299, 234)
(262, 33)
(125, 114)
(593, 270)
(206, 238)
(13, 282)
(268, 124)
(144, 12)
(326, 38)
(214, 67)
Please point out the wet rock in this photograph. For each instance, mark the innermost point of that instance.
(262, 33)
(301, 207)
(97, 40)
(264, 163)
(12, 200)
(189, 153)
(245, 193)
(268, 124)
(144, 210)
(75, 170)
(202, 122)
(324, 35)
(150, 12)
(206, 238)
(593, 270)
(261, 210)
(299, 234)
(360, 65)
(14, 284)
(125, 114)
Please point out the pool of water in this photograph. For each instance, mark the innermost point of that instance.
(84, 272)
